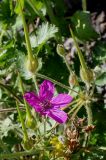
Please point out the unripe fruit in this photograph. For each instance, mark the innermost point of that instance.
(73, 79)
(28, 144)
(32, 64)
(86, 75)
(61, 50)
(30, 123)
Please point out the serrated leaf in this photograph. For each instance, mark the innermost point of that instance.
(44, 32)
(82, 26)
(6, 126)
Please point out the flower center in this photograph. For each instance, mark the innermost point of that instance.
(46, 104)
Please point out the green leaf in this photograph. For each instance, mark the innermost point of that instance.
(6, 16)
(82, 26)
(6, 126)
(38, 7)
(99, 53)
(45, 32)
(101, 80)
(17, 7)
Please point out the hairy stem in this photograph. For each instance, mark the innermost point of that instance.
(22, 122)
(31, 3)
(77, 110)
(81, 58)
(22, 90)
(30, 55)
(68, 66)
(19, 154)
(10, 109)
(75, 107)
(55, 82)
(35, 83)
(84, 5)
(89, 114)
(7, 88)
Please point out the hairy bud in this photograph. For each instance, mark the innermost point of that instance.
(32, 64)
(86, 75)
(30, 123)
(61, 50)
(73, 80)
(28, 144)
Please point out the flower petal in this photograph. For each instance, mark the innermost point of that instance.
(58, 115)
(61, 100)
(46, 90)
(33, 101)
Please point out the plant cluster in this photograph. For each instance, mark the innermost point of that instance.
(51, 100)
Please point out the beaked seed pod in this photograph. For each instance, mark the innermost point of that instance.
(60, 50)
(28, 143)
(30, 123)
(32, 64)
(86, 75)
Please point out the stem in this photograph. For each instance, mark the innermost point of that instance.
(22, 122)
(68, 66)
(77, 110)
(89, 114)
(84, 5)
(81, 58)
(22, 89)
(36, 84)
(30, 55)
(11, 92)
(75, 106)
(55, 82)
(70, 104)
(19, 154)
(9, 109)
(89, 118)
(44, 120)
(31, 3)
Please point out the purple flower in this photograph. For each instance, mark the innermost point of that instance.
(46, 104)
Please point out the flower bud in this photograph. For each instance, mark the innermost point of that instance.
(61, 50)
(28, 143)
(32, 64)
(86, 75)
(73, 80)
(30, 123)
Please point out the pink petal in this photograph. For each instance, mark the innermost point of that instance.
(46, 90)
(58, 115)
(33, 101)
(61, 100)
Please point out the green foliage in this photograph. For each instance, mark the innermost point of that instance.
(6, 13)
(17, 8)
(43, 34)
(99, 53)
(82, 26)
(101, 80)
(44, 38)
